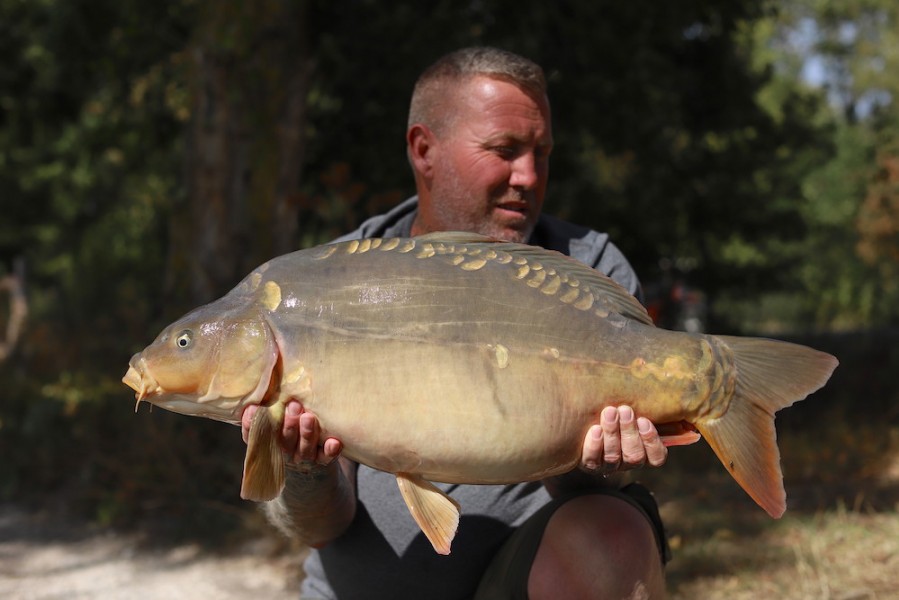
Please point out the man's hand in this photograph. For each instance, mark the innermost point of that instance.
(300, 437)
(318, 502)
(620, 442)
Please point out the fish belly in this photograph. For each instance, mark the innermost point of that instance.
(485, 413)
(449, 414)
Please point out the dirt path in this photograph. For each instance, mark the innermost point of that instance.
(43, 559)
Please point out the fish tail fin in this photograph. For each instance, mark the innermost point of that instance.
(263, 467)
(771, 375)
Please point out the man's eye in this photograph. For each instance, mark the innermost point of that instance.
(505, 151)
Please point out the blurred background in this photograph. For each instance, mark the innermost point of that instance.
(744, 154)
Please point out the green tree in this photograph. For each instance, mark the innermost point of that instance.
(848, 50)
(152, 153)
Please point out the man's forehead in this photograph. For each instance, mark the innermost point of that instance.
(492, 99)
(487, 87)
(497, 126)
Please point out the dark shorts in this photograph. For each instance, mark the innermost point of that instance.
(507, 575)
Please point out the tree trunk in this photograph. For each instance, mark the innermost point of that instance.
(251, 66)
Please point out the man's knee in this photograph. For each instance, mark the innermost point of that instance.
(597, 546)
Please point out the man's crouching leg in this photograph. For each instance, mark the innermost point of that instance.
(600, 545)
(597, 546)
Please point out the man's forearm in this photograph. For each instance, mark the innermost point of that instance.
(317, 504)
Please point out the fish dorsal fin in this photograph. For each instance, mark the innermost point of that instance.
(456, 237)
(436, 513)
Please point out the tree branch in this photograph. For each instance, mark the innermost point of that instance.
(14, 285)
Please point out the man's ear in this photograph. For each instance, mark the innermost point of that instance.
(421, 145)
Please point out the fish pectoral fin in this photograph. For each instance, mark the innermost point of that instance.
(263, 467)
(679, 433)
(436, 513)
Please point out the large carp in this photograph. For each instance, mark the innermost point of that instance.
(455, 358)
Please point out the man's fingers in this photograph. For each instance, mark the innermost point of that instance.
(307, 449)
(331, 449)
(632, 452)
(300, 436)
(591, 455)
(246, 418)
(611, 439)
(290, 431)
(656, 451)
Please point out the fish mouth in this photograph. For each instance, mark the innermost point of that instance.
(147, 389)
(139, 379)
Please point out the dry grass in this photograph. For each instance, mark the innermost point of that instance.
(839, 539)
(839, 554)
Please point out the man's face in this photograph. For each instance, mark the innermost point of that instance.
(491, 164)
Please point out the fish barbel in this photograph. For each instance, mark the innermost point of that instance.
(455, 358)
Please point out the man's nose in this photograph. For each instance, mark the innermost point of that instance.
(524, 171)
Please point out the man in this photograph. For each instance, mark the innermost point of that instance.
(478, 141)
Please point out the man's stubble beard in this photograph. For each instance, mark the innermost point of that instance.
(443, 199)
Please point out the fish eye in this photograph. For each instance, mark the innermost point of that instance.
(184, 338)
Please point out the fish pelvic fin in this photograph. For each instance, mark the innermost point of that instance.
(263, 467)
(771, 375)
(436, 513)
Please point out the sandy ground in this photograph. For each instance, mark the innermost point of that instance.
(42, 559)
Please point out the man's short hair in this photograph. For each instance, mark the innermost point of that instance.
(436, 83)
